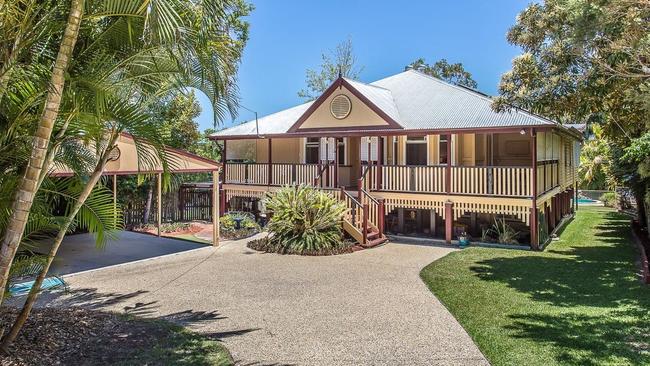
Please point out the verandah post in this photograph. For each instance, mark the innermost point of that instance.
(449, 221)
(365, 223)
(382, 214)
(533, 210)
(448, 169)
(269, 179)
(380, 156)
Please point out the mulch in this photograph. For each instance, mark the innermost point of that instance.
(74, 336)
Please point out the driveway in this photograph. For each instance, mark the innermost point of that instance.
(79, 253)
(365, 308)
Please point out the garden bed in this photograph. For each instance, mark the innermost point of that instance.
(77, 336)
(264, 245)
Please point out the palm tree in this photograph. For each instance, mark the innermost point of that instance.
(133, 49)
(24, 195)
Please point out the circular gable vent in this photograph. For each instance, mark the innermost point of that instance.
(340, 106)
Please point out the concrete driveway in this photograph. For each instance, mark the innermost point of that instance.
(365, 308)
(79, 252)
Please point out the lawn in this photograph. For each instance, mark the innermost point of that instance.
(577, 303)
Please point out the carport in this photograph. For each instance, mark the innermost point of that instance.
(124, 161)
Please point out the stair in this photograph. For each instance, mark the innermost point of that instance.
(374, 238)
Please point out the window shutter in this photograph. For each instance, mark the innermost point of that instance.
(373, 148)
(327, 148)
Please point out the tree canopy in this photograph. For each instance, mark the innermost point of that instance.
(587, 61)
(340, 61)
(441, 69)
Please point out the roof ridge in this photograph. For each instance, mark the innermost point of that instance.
(366, 84)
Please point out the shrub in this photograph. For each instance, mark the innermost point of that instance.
(247, 225)
(500, 232)
(608, 199)
(304, 220)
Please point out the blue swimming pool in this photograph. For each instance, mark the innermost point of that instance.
(587, 200)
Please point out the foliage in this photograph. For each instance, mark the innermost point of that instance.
(451, 73)
(577, 303)
(304, 219)
(23, 266)
(176, 119)
(247, 225)
(340, 62)
(593, 172)
(586, 61)
(609, 199)
(268, 246)
(502, 232)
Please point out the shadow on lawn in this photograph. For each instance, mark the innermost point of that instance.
(598, 275)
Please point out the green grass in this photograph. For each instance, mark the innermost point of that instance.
(577, 303)
(178, 346)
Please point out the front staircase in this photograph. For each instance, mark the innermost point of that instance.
(364, 218)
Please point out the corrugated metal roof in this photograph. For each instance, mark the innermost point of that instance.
(381, 97)
(278, 122)
(414, 100)
(425, 102)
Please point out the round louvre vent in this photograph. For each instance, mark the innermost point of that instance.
(340, 106)
(114, 154)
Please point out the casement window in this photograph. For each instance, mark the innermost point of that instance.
(312, 147)
(442, 149)
(416, 150)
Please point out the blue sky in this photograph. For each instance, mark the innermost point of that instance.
(287, 37)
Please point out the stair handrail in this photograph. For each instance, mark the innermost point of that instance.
(353, 205)
(362, 182)
(319, 176)
(375, 209)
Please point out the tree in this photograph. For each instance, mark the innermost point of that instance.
(586, 61)
(339, 62)
(177, 120)
(451, 73)
(129, 54)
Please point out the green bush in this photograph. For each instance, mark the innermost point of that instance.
(304, 220)
(608, 199)
(247, 225)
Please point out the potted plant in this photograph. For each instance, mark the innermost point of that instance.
(463, 239)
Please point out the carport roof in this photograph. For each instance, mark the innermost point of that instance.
(126, 161)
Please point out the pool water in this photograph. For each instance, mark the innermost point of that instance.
(586, 200)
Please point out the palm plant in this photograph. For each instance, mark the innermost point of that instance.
(128, 50)
(304, 219)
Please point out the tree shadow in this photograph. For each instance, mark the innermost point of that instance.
(597, 279)
(619, 338)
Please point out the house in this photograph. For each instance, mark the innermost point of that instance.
(410, 154)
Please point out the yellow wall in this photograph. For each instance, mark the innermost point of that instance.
(360, 114)
(285, 150)
(511, 149)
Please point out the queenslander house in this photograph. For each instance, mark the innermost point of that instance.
(412, 155)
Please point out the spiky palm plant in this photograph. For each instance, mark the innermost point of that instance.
(304, 219)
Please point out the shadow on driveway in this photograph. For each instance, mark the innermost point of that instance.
(79, 253)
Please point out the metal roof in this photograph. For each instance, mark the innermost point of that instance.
(414, 100)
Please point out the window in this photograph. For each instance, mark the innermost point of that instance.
(416, 151)
(341, 146)
(443, 149)
(312, 150)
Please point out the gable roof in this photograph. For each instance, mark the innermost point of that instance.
(367, 95)
(414, 101)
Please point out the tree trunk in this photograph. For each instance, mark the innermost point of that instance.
(24, 197)
(147, 206)
(36, 287)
